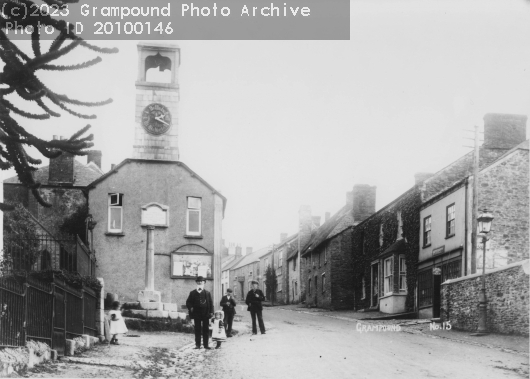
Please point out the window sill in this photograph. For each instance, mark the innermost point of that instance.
(426, 246)
(115, 234)
(193, 237)
(450, 236)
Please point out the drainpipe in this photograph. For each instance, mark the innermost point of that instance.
(465, 226)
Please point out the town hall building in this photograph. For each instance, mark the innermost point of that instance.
(159, 224)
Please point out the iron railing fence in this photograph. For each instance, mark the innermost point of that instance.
(32, 309)
(46, 252)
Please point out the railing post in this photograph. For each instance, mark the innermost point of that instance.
(25, 302)
(53, 315)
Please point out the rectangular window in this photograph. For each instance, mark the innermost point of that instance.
(193, 224)
(326, 254)
(294, 264)
(266, 263)
(425, 287)
(280, 259)
(323, 283)
(402, 274)
(309, 286)
(115, 213)
(450, 221)
(388, 276)
(427, 231)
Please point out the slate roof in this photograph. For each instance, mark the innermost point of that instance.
(340, 221)
(232, 263)
(84, 174)
(251, 258)
(288, 240)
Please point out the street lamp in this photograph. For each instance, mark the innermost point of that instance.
(484, 226)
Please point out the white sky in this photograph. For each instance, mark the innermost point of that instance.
(276, 124)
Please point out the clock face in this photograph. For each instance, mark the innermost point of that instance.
(156, 119)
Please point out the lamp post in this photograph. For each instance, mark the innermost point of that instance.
(484, 226)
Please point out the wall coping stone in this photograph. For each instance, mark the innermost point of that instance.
(524, 264)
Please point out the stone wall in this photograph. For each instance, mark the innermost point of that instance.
(507, 294)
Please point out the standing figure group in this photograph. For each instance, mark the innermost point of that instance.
(201, 310)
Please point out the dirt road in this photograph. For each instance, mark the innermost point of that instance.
(297, 345)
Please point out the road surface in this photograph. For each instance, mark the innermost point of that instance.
(297, 345)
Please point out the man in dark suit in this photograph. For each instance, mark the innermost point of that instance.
(254, 298)
(200, 307)
(229, 308)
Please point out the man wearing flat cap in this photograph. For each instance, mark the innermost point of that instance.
(254, 298)
(229, 308)
(200, 307)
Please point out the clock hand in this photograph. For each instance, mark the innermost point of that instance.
(162, 121)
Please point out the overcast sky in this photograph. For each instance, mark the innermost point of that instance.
(276, 124)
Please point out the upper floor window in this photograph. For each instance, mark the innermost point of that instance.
(388, 268)
(427, 231)
(294, 264)
(280, 259)
(324, 282)
(115, 212)
(193, 219)
(319, 258)
(450, 220)
(402, 274)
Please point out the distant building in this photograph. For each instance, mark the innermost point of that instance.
(244, 272)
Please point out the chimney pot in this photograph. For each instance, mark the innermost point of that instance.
(504, 131)
(305, 223)
(94, 156)
(55, 137)
(316, 221)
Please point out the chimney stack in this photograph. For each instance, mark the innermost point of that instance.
(283, 237)
(504, 131)
(239, 251)
(248, 251)
(61, 169)
(421, 176)
(349, 198)
(94, 156)
(231, 248)
(305, 222)
(326, 216)
(316, 221)
(363, 202)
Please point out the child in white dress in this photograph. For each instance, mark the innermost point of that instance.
(218, 330)
(117, 323)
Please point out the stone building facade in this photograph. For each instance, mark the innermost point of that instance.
(161, 199)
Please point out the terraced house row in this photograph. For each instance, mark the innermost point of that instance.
(391, 259)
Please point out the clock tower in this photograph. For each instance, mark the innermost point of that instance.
(156, 117)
